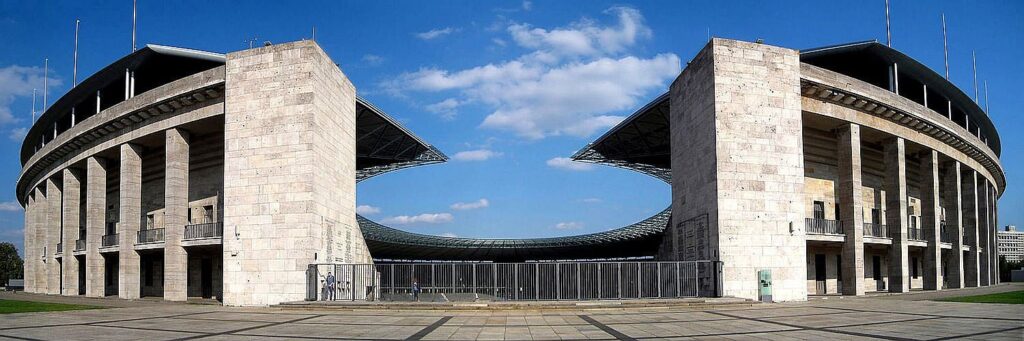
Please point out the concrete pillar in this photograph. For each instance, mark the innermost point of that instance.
(931, 219)
(851, 211)
(896, 213)
(44, 247)
(72, 191)
(30, 245)
(283, 211)
(994, 223)
(969, 186)
(984, 233)
(95, 225)
(954, 224)
(131, 216)
(737, 165)
(175, 214)
(53, 236)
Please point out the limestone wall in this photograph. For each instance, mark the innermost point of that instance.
(289, 172)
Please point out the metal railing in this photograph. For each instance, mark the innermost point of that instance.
(109, 240)
(151, 236)
(876, 230)
(80, 245)
(444, 282)
(823, 226)
(60, 248)
(915, 233)
(204, 230)
(943, 235)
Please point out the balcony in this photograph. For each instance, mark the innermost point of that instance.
(875, 230)
(80, 245)
(60, 248)
(151, 236)
(915, 233)
(109, 240)
(204, 231)
(943, 236)
(823, 226)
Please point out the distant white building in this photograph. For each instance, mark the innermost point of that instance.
(1011, 243)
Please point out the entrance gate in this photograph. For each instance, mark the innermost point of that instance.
(449, 281)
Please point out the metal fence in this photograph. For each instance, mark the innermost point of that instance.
(151, 236)
(204, 230)
(109, 240)
(514, 281)
(79, 244)
(823, 226)
(915, 233)
(876, 230)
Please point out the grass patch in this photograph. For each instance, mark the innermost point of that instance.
(1012, 297)
(11, 307)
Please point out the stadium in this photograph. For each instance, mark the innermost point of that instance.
(181, 174)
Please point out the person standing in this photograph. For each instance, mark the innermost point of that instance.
(330, 286)
(416, 290)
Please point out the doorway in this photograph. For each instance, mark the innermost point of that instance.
(819, 275)
(876, 271)
(206, 277)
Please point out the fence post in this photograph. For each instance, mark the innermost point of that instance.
(536, 281)
(495, 281)
(578, 290)
(599, 280)
(352, 289)
(515, 278)
(658, 264)
(558, 279)
(618, 276)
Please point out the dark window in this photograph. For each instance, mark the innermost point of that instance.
(839, 268)
(876, 261)
(208, 214)
(876, 216)
(838, 217)
(819, 210)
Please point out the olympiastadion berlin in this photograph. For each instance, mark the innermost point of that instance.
(181, 174)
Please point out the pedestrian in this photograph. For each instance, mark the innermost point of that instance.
(330, 286)
(416, 290)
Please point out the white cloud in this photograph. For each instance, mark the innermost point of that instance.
(527, 5)
(569, 225)
(436, 33)
(476, 155)
(367, 209)
(10, 206)
(565, 163)
(462, 206)
(575, 80)
(445, 108)
(372, 59)
(17, 134)
(18, 81)
(591, 200)
(449, 235)
(425, 218)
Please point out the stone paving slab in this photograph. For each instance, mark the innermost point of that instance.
(834, 319)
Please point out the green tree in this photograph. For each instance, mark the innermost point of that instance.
(11, 265)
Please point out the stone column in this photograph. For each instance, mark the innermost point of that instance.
(43, 249)
(931, 218)
(284, 211)
(994, 228)
(175, 214)
(72, 209)
(851, 214)
(737, 164)
(53, 236)
(984, 234)
(896, 213)
(131, 218)
(95, 225)
(969, 185)
(30, 245)
(954, 224)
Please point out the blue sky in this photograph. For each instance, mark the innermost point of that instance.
(506, 89)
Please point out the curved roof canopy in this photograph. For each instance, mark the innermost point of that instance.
(870, 61)
(154, 65)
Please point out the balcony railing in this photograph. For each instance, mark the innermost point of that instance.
(943, 236)
(823, 226)
(915, 233)
(876, 230)
(151, 236)
(80, 245)
(109, 240)
(204, 230)
(60, 248)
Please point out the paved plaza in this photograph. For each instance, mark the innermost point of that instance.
(902, 317)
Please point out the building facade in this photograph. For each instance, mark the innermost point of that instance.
(1011, 244)
(180, 173)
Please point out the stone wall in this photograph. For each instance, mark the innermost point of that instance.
(289, 177)
(738, 156)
